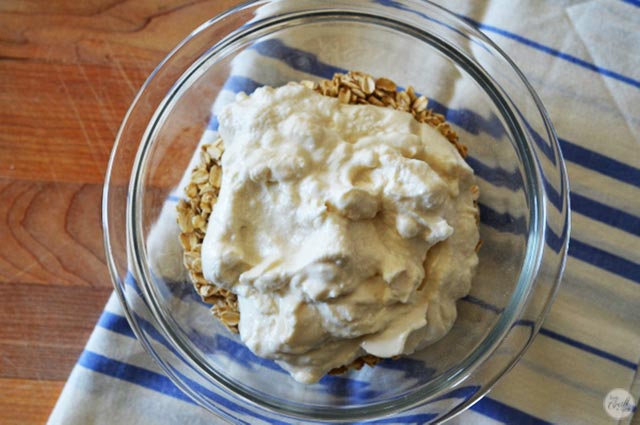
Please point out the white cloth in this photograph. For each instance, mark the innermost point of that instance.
(583, 59)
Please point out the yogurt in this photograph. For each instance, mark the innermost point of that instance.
(344, 230)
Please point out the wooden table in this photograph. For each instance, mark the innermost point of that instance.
(68, 72)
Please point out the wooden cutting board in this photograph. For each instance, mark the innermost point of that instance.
(68, 72)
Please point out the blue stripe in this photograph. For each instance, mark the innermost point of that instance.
(632, 2)
(605, 260)
(558, 337)
(580, 204)
(297, 59)
(471, 121)
(600, 163)
(145, 378)
(236, 84)
(588, 348)
(605, 213)
(400, 6)
(213, 124)
(595, 210)
(545, 147)
(421, 418)
(496, 176)
(115, 323)
(461, 392)
(482, 304)
(504, 222)
(553, 52)
(505, 413)
(119, 324)
(133, 374)
(555, 198)
(555, 242)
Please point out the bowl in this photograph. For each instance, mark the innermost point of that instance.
(512, 149)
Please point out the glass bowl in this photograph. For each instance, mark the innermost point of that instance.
(512, 149)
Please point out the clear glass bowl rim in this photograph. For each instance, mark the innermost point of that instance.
(540, 220)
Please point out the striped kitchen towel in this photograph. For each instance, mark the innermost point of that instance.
(583, 59)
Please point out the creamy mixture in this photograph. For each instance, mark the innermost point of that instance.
(343, 229)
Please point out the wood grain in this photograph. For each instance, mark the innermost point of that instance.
(51, 234)
(59, 121)
(44, 328)
(68, 72)
(27, 401)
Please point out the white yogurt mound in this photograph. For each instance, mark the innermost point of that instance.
(343, 229)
